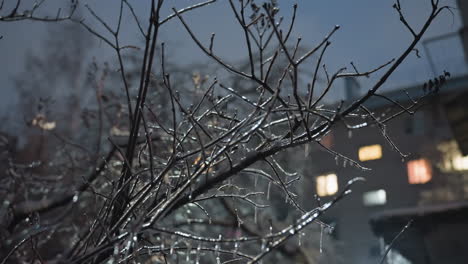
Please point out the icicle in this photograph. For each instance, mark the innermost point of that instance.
(218, 260)
(116, 249)
(255, 214)
(236, 248)
(189, 249)
(264, 248)
(197, 257)
(255, 181)
(345, 162)
(321, 239)
(350, 133)
(268, 190)
(161, 248)
(173, 243)
(336, 160)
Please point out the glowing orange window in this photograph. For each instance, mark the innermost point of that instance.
(372, 152)
(419, 171)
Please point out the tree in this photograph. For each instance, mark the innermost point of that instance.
(182, 168)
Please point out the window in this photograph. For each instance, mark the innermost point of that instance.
(419, 171)
(460, 163)
(327, 140)
(452, 159)
(377, 197)
(327, 184)
(372, 152)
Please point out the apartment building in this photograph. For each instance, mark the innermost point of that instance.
(434, 172)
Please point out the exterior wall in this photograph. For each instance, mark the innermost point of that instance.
(463, 7)
(416, 135)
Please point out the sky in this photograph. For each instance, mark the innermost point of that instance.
(370, 35)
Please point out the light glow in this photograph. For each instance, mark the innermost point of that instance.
(327, 184)
(377, 197)
(419, 171)
(460, 163)
(452, 159)
(372, 152)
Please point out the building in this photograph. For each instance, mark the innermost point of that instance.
(432, 181)
(435, 171)
(432, 234)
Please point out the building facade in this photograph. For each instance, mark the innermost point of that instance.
(434, 172)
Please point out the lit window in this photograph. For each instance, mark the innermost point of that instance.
(452, 159)
(327, 184)
(327, 140)
(460, 163)
(378, 197)
(372, 152)
(419, 171)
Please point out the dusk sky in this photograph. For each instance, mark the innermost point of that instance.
(370, 35)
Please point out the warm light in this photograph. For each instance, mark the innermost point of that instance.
(419, 171)
(452, 159)
(327, 184)
(460, 163)
(327, 140)
(371, 152)
(378, 197)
